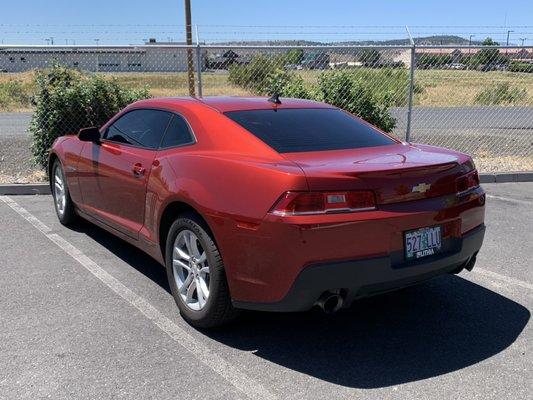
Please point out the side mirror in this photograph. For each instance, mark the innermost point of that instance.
(91, 134)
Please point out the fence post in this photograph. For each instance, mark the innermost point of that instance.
(411, 92)
(199, 69)
(198, 63)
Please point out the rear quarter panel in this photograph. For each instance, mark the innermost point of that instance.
(232, 192)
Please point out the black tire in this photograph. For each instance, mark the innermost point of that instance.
(218, 309)
(68, 216)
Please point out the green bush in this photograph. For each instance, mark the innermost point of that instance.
(520, 67)
(500, 93)
(341, 90)
(255, 75)
(285, 84)
(68, 100)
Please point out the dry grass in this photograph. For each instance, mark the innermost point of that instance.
(441, 88)
(176, 84)
(444, 88)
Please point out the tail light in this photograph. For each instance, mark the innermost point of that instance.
(467, 182)
(306, 203)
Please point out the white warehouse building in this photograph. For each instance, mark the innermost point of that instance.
(152, 57)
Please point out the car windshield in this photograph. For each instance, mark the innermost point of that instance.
(310, 129)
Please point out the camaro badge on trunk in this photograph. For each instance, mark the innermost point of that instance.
(421, 188)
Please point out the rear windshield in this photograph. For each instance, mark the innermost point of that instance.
(311, 129)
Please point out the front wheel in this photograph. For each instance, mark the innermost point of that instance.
(196, 274)
(62, 201)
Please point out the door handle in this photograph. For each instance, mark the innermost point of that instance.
(138, 170)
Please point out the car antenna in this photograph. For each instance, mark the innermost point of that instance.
(275, 98)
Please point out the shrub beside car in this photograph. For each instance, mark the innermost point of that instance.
(68, 100)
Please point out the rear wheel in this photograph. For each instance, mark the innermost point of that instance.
(62, 201)
(196, 274)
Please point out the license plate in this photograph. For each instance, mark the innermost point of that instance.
(422, 242)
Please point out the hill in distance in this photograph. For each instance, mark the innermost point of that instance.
(428, 41)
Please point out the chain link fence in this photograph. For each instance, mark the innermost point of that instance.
(475, 99)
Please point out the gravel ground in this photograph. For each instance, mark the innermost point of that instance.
(16, 164)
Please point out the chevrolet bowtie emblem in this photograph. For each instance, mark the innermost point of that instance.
(421, 188)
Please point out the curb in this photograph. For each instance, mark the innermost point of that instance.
(503, 177)
(25, 188)
(44, 188)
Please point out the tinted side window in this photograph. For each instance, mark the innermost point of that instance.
(313, 129)
(143, 128)
(178, 133)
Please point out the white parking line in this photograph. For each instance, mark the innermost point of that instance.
(229, 372)
(525, 202)
(503, 278)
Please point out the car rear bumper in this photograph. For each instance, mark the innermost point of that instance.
(366, 277)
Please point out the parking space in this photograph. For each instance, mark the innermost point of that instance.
(85, 315)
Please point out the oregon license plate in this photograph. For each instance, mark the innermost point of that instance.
(422, 242)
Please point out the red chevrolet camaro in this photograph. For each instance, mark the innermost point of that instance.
(255, 204)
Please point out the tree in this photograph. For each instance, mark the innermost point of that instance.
(369, 57)
(294, 56)
(489, 56)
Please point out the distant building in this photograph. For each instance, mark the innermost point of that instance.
(167, 58)
(514, 54)
(315, 60)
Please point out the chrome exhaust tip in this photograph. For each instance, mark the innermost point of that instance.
(330, 302)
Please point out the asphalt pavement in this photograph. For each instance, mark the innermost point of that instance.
(85, 315)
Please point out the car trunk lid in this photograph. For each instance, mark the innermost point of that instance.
(396, 173)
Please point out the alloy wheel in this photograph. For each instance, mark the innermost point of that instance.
(191, 270)
(59, 191)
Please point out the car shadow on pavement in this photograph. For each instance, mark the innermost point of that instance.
(128, 253)
(416, 333)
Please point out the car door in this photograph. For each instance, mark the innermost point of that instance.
(113, 174)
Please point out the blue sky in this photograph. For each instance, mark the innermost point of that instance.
(30, 21)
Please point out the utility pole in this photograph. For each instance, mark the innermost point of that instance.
(507, 50)
(508, 32)
(188, 34)
(523, 39)
(470, 42)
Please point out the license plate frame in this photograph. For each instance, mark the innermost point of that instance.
(422, 242)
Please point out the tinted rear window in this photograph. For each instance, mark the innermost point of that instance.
(316, 129)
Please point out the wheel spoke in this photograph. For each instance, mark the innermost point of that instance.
(58, 186)
(200, 293)
(202, 258)
(187, 240)
(186, 284)
(185, 266)
(190, 291)
(194, 246)
(203, 287)
(204, 270)
(181, 253)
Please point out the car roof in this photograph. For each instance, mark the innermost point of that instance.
(231, 103)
